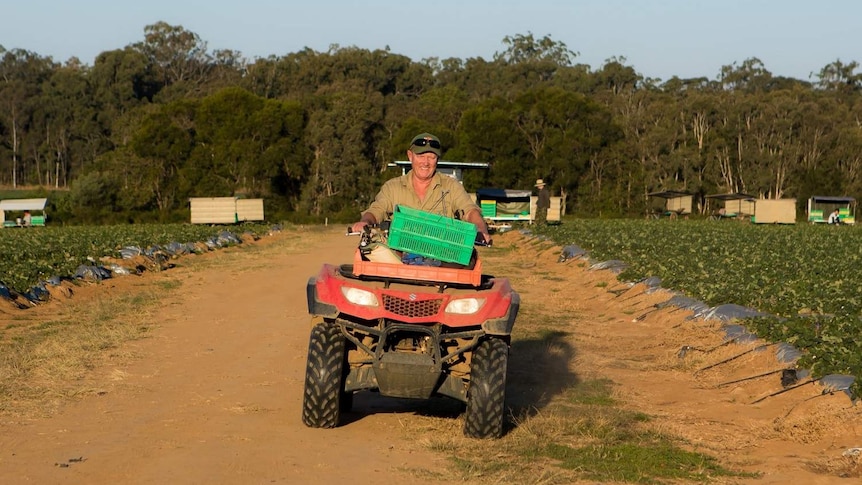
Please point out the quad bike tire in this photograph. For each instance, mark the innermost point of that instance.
(487, 393)
(324, 377)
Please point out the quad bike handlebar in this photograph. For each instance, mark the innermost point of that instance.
(479, 241)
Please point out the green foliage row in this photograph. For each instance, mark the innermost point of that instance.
(807, 276)
(32, 255)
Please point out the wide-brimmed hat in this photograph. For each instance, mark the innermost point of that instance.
(540, 183)
(424, 143)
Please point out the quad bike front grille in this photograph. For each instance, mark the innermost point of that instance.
(410, 308)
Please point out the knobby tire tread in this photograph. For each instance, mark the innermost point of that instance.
(324, 377)
(487, 393)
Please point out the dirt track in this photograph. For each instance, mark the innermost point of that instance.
(214, 395)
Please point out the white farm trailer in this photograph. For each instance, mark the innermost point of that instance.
(225, 210)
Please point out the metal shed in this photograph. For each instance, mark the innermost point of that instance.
(675, 203)
(445, 167)
(735, 205)
(34, 206)
(820, 206)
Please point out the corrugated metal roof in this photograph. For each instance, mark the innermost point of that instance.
(733, 196)
(23, 204)
(832, 198)
(669, 194)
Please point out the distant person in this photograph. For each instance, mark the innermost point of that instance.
(834, 217)
(543, 203)
(28, 219)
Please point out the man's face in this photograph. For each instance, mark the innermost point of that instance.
(423, 165)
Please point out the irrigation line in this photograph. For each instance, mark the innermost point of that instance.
(634, 296)
(644, 315)
(809, 381)
(618, 292)
(642, 309)
(749, 378)
(804, 400)
(753, 349)
(685, 348)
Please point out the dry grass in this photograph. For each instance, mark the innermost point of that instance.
(44, 364)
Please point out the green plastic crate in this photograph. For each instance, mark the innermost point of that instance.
(489, 208)
(431, 235)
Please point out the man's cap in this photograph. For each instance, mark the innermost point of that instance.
(540, 183)
(427, 146)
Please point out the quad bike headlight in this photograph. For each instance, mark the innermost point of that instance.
(465, 306)
(359, 297)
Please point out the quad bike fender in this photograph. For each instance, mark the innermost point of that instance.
(504, 324)
(315, 306)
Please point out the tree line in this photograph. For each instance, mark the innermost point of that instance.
(148, 126)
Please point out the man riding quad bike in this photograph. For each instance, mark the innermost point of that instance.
(438, 327)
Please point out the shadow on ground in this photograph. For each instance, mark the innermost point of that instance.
(538, 371)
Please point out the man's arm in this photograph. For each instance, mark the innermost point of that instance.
(375, 213)
(475, 216)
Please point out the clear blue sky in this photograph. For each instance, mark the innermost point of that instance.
(658, 38)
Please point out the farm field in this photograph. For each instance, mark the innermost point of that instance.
(210, 390)
(805, 276)
(32, 255)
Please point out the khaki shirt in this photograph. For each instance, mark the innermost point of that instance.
(446, 196)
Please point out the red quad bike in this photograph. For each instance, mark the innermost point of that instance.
(409, 331)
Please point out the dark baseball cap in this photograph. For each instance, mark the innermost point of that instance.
(424, 143)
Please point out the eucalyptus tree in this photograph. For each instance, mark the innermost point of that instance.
(22, 75)
(656, 150)
(265, 77)
(437, 110)
(529, 61)
(526, 48)
(619, 177)
(559, 132)
(767, 127)
(479, 78)
(525, 63)
(121, 80)
(841, 77)
(749, 76)
(302, 74)
(65, 118)
(545, 132)
(178, 57)
(242, 142)
(227, 68)
(847, 156)
(344, 121)
(487, 133)
(162, 145)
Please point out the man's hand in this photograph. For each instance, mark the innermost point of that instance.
(366, 220)
(475, 216)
